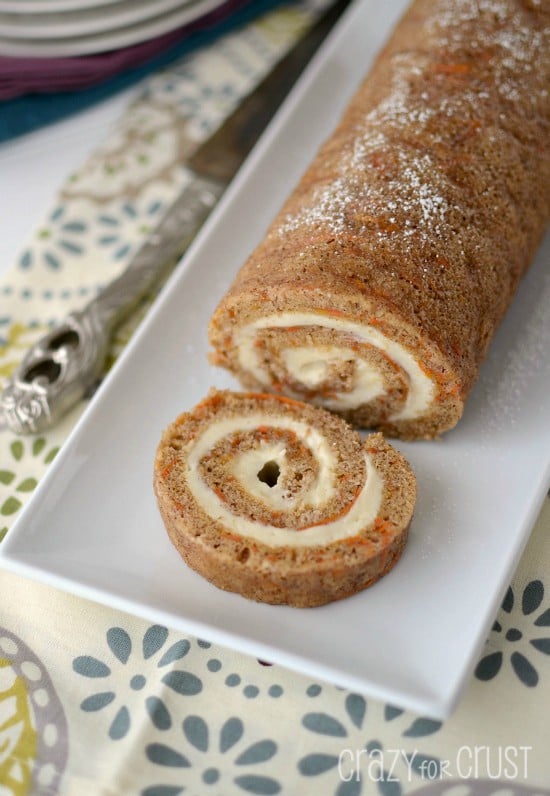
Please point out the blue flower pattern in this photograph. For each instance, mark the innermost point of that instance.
(122, 231)
(519, 647)
(195, 763)
(120, 645)
(345, 775)
(63, 235)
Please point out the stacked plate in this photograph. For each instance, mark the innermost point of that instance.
(52, 46)
(62, 28)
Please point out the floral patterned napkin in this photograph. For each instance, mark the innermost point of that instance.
(97, 702)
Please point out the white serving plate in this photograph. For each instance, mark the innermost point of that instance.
(47, 25)
(93, 528)
(28, 42)
(42, 6)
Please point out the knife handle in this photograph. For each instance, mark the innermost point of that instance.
(64, 365)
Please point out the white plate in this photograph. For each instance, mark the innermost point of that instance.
(41, 6)
(93, 528)
(61, 46)
(46, 25)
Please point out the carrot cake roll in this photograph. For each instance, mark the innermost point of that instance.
(281, 501)
(381, 282)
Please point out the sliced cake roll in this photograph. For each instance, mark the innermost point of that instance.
(281, 501)
(380, 284)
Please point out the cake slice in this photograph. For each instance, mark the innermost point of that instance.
(281, 501)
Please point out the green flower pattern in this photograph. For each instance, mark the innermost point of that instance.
(16, 484)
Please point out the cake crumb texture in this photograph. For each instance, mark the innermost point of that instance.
(281, 501)
(413, 224)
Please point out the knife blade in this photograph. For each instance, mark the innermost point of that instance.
(223, 153)
(67, 363)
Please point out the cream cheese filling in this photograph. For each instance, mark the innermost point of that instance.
(246, 466)
(310, 366)
(308, 369)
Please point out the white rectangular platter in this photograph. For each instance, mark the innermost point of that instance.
(93, 528)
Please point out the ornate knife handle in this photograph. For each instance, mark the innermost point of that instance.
(67, 362)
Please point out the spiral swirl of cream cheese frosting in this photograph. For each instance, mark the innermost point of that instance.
(281, 501)
(245, 467)
(309, 366)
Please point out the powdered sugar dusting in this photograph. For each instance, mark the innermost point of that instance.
(516, 44)
(511, 383)
(413, 190)
(389, 182)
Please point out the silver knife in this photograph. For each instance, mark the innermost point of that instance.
(67, 363)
